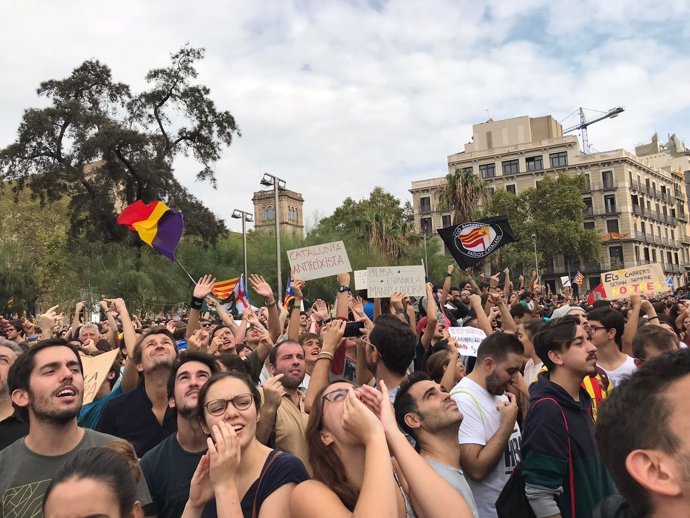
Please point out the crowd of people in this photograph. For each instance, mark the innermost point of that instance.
(353, 407)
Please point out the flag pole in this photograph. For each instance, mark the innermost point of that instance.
(177, 261)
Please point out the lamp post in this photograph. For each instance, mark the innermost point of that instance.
(536, 260)
(245, 217)
(269, 180)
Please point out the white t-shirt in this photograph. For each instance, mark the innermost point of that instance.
(625, 370)
(480, 422)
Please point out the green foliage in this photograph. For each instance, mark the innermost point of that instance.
(554, 214)
(101, 147)
(461, 194)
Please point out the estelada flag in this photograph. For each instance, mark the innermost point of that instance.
(157, 225)
(472, 241)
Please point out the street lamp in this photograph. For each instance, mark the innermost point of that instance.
(536, 260)
(269, 180)
(245, 217)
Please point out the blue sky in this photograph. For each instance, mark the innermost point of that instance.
(337, 97)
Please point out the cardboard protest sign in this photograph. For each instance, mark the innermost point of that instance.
(318, 261)
(383, 281)
(95, 372)
(360, 279)
(647, 280)
(468, 339)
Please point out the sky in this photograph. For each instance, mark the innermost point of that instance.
(337, 97)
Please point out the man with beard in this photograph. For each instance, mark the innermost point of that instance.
(47, 385)
(427, 413)
(169, 467)
(283, 421)
(564, 473)
(142, 416)
(12, 427)
(489, 435)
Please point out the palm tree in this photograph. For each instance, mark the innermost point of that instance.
(462, 193)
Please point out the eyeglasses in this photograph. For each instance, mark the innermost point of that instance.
(335, 396)
(240, 402)
(596, 328)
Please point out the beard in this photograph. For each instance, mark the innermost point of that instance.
(44, 411)
(290, 381)
(494, 385)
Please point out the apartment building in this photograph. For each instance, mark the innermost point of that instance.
(637, 202)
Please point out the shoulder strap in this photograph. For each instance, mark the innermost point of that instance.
(273, 456)
(570, 454)
(474, 400)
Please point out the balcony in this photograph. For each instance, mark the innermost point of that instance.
(682, 216)
(609, 185)
(588, 212)
(611, 210)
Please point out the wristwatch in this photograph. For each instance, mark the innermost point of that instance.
(342, 289)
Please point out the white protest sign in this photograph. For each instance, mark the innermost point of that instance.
(383, 281)
(565, 281)
(468, 339)
(361, 279)
(647, 280)
(95, 372)
(318, 261)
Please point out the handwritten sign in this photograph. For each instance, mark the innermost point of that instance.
(95, 373)
(360, 279)
(383, 281)
(647, 279)
(468, 339)
(318, 261)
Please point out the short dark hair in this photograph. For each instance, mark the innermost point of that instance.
(652, 336)
(309, 336)
(498, 346)
(405, 403)
(20, 371)
(395, 342)
(610, 319)
(104, 465)
(555, 335)
(519, 310)
(232, 362)
(159, 330)
(273, 353)
(640, 403)
(190, 356)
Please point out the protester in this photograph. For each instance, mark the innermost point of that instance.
(607, 326)
(563, 472)
(238, 475)
(12, 426)
(169, 466)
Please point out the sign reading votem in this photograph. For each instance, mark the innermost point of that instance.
(468, 339)
(95, 372)
(360, 279)
(647, 279)
(383, 281)
(318, 261)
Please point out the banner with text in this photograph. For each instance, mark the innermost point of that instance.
(383, 281)
(318, 261)
(468, 339)
(95, 372)
(647, 279)
(360, 279)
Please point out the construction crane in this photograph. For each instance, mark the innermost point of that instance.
(582, 126)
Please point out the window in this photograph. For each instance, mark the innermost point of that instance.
(637, 254)
(646, 254)
(616, 255)
(467, 170)
(589, 225)
(643, 227)
(589, 210)
(610, 204)
(426, 226)
(511, 167)
(607, 178)
(537, 184)
(511, 188)
(487, 170)
(669, 258)
(676, 257)
(587, 184)
(446, 220)
(559, 159)
(425, 205)
(612, 225)
(535, 163)
(653, 255)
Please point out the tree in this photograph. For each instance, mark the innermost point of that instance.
(461, 194)
(102, 147)
(554, 214)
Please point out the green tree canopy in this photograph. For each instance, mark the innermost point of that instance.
(101, 146)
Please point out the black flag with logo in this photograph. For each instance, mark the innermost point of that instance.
(472, 241)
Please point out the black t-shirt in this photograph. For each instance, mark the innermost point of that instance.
(285, 469)
(168, 470)
(130, 417)
(11, 429)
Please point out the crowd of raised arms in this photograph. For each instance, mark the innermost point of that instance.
(352, 407)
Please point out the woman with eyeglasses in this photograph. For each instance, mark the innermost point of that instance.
(351, 436)
(238, 476)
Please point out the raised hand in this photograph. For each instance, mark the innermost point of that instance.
(508, 409)
(450, 269)
(204, 286)
(49, 318)
(321, 310)
(332, 334)
(201, 488)
(359, 421)
(274, 391)
(260, 286)
(397, 300)
(198, 340)
(224, 455)
(297, 286)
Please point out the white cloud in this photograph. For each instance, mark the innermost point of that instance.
(337, 97)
